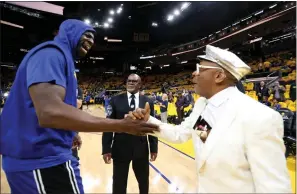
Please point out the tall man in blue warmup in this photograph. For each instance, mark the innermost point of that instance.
(40, 119)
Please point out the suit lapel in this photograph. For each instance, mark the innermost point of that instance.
(220, 130)
(141, 101)
(126, 102)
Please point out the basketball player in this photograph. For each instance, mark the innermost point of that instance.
(40, 117)
(238, 141)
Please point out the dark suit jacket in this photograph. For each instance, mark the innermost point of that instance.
(126, 146)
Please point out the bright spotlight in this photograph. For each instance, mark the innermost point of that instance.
(96, 24)
(110, 20)
(176, 12)
(154, 24)
(119, 10)
(111, 12)
(87, 21)
(122, 5)
(170, 17)
(185, 5)
(106, 25)
(6, 94)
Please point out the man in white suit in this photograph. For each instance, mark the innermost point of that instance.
(238, 141)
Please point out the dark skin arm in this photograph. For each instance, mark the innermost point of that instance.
(52, 112)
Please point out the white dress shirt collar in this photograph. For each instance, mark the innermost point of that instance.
(136, 95)
(220, 97)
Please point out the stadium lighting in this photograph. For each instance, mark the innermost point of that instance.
(176, 12)
(111, 12)
(154, 24)
(110, 20)
(106, 25)
(170, 17)
(185, 5)
(119, 10)
(87, 21)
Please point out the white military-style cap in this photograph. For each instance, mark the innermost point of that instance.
(227, 60)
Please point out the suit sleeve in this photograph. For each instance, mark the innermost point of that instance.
(153, 140)
(107, 137)
(265, 151)
(179, 133)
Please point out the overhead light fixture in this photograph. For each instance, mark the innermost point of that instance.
(119, 10)
(111, 12)
(185, 5)
(87, 21)
(129, 17)
(98, 9)
(110, 20)
(155, 24)
(114, 40)
(122, 5)
(170, 17)
(176, 12)
(106, 25)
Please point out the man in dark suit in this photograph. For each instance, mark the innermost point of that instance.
(124, 148)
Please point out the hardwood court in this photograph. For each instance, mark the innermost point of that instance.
(172, 172)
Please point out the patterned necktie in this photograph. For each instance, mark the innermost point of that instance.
(132, 103)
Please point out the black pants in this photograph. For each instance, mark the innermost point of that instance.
(121, 171)
(180, 115)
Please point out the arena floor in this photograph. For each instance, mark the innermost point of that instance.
(172, 172)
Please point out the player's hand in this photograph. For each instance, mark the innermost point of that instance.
(137, 127)
(107, 158)
(142, 114)
(153, 157)
(76, 142)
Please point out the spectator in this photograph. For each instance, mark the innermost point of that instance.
(265, 101)
(276, 106)
(278, 92)
(262, 91)
(163, 108)
(180, 105)
(88, 99)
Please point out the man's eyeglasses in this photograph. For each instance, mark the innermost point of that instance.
(132, 81)
(198, 67)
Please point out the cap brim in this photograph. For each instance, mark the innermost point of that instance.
(207, 58)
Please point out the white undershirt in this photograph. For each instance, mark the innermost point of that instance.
(136, 99)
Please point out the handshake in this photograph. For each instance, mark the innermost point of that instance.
(137, 120)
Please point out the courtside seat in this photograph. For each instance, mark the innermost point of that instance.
(292, 106)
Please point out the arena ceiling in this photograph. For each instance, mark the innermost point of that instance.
(196, 20)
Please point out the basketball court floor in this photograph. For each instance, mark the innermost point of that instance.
(172, 172)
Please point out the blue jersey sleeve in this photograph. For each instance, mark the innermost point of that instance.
(47, 66)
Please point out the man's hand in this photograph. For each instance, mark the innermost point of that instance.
(76, 142)
(139, 113)
(153, 157)
(107, 158)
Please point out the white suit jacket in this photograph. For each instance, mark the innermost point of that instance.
(244, 153)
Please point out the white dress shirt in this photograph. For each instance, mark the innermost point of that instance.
(136, 99)
(216, 106)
